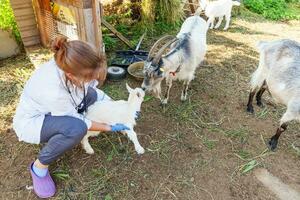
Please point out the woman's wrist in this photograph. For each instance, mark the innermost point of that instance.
(100, 127)
(108, 127)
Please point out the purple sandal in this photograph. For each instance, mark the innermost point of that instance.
(44, 187)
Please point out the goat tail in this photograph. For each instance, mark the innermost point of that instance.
(236, 3)
(258, 77)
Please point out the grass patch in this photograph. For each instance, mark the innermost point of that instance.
(273, 9)
(61, 175)
(296, 148)
(210, 144)
(183, 111)
(240, 133)
(116, 91)
(263, 114)
(244, 154)
(160, 148)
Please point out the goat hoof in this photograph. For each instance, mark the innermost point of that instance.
(272, 144)
(90, 151)
(250, 109)
(140, 150)
(260, 104)
(183, 98)
(164, 102)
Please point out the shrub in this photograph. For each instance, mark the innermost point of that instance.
(166, 11)
(292, 1)
(7, 19)
(270, 9)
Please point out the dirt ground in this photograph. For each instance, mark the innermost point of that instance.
(200, 149)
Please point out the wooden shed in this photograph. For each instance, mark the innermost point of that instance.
(40, 21)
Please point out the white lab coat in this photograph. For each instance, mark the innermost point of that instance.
(44, 93)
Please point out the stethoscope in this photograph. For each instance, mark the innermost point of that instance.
(82, 107)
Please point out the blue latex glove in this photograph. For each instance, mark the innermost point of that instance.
(119, 127)
(137, 115)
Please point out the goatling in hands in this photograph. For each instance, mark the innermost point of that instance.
(187, 51)
(279, 72)
(114, 112)
(218, 9)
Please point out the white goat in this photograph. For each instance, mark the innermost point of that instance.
(112, 112)
(218, 9)
(279, 72)
(187, 52)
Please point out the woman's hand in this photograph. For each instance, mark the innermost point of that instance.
(119, 127)
(105, 127)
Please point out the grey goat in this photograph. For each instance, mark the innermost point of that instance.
(278, 72)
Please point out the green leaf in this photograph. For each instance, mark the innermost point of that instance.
(148, 98)
(249, 166)
(61, 174)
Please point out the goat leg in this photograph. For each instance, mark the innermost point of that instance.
(131, 134)
(184, 91)
(227, 17)
(260, 93)
(274, 139)
(157, 91)
(210, 22)
(289, 115)
(250, 101)
(167, 94)
(86, 145)
(219, 22)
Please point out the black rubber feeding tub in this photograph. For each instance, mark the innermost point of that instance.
(124, 58)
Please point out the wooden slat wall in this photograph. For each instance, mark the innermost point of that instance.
(26, 21)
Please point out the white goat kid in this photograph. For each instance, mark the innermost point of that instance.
(279, 72)
(219, 8)
(113, 112)
(186, 53)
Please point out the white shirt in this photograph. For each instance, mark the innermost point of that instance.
(46, 93)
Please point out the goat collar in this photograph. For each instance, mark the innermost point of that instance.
(176, 71)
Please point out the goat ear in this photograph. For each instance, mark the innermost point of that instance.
(128, 88)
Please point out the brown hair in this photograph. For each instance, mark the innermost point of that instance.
(78, 58)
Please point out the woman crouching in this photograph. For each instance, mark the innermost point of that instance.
(53, 104)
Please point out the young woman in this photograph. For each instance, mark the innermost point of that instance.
(53, 104)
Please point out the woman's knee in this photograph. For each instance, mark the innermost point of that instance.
(65, 125)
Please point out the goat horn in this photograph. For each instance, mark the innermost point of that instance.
(161, 51)
(151, 52)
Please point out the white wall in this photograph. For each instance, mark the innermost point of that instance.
(8, 46)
